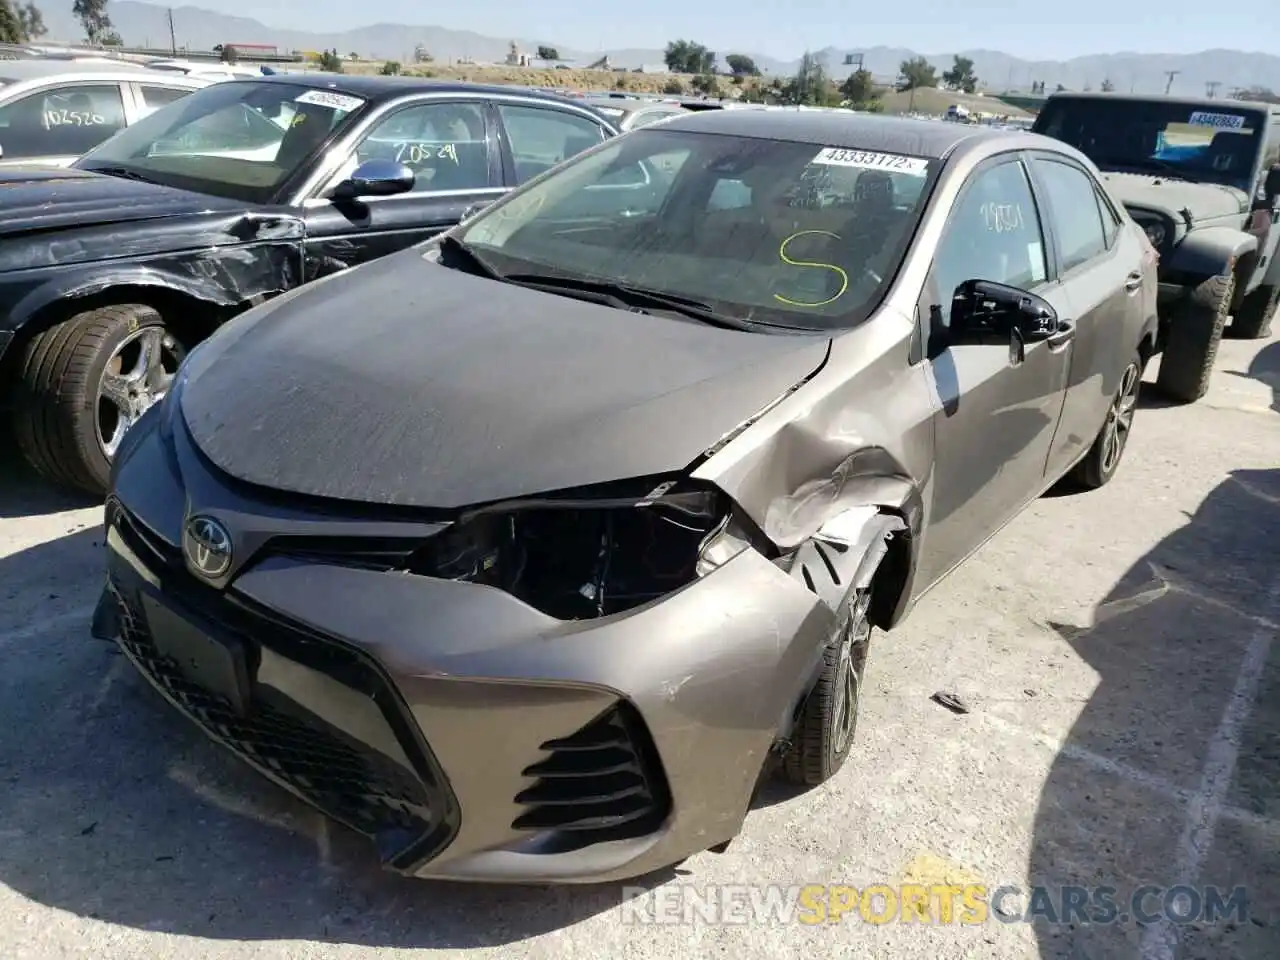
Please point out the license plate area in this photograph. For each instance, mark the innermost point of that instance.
(219, 665)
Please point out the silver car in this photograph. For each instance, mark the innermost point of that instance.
(53, 111)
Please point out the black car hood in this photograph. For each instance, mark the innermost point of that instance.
(37, 199)
(405, 382)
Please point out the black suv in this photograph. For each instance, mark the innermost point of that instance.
(1202, 177)
(112, 270)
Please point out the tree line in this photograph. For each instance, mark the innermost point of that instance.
(24, 23)
(812, 84)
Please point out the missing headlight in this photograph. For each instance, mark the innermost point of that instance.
(584, 561)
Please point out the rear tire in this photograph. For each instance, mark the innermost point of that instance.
(1195, 331)
(1253, 320)
(823, 734)
(60, 422)
(1103, 459)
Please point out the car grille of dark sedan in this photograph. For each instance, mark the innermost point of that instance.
(603, 782)
(410, 816)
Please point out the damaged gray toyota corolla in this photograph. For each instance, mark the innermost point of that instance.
(528, 552)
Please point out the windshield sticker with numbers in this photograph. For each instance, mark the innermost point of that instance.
(1219, 121)
(867, 160)
(327, 98)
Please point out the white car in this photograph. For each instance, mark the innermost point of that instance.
(54, 111)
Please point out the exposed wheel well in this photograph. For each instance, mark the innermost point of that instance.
(891, 577)
(188, 318)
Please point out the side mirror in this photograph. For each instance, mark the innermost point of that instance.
(375, 178)
(475, 208)
(986, 312)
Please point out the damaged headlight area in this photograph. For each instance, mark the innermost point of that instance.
(580, 558)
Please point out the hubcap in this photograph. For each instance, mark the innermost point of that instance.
(852, 657)
(1120, 418)
(136, 378)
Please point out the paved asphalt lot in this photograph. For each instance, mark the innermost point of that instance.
(1117, 651)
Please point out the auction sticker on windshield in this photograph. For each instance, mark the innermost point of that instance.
(1219, 121)
(866, 160)
(327, 98)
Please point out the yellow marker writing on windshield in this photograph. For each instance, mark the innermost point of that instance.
(782, 255)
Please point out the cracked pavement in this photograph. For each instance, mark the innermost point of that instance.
(1116, 650)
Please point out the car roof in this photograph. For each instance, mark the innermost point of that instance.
(377, 88)
(845, 129)
(1208, 103)
(16, 71)
(628, 104)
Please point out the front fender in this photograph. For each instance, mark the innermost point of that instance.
(1210, 252)
(87, 283)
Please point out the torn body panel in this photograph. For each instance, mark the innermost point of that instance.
(860, 434)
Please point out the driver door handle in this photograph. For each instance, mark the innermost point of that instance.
(1133, 282)
(1065, 333)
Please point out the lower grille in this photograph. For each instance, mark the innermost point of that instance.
(410, 814)
(603, 782)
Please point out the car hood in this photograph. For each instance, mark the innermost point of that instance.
(408, 383)
(1204, 201)
(36, 199)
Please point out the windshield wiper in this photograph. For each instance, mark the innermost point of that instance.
(637, 297)
(124, 173)
(453, 245)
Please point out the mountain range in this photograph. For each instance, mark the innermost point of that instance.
(146, 24)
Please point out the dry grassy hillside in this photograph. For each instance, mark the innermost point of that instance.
(926, 101)
(527, 76)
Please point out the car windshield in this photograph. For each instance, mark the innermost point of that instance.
(791, 234)
(241, 139)
(1214, 145)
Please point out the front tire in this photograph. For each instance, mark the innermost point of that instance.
(823, 734)
(1195, 332)
(1103, 459)
(1253, 320)
(83, 383)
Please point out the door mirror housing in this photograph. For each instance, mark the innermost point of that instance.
(375, 178)
(983, 311)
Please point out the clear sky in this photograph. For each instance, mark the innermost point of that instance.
(1031, 29)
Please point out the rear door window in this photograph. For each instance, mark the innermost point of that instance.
(61, 121)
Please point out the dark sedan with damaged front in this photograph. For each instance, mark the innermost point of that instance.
(530, 552)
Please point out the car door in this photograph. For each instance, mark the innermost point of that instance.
(1100, 270)
(1267, 217)
(447, 143)
(58, 122)
(996, 413)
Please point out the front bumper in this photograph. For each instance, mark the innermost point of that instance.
(471, 736)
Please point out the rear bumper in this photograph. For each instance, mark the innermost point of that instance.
(471, 736)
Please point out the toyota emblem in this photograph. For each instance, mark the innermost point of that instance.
(207, 546)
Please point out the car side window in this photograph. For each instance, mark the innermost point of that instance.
(1073, 205)
(444, 144)
(1110, 219)
(994, 234)
(646, 117)
(541, 137)
(154, 97)
(61, 121)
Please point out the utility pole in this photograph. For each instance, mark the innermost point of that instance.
(1168, 85)
(173, 40)
(1211, 88)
